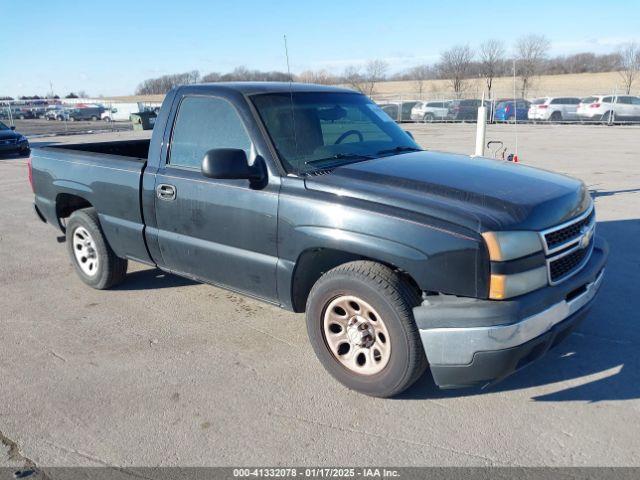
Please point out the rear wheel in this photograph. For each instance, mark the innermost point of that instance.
(556, 117)
(94, 118)
(608, 117)
(360, 323)
(94, 260)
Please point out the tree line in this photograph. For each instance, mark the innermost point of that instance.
(458, 66)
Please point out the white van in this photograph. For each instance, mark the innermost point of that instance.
(119, 112)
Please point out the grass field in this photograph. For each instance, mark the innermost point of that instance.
(579, 85)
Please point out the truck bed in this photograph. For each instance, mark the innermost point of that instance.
(106, 176)
(133, 149)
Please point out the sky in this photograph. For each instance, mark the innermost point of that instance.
(108, 47)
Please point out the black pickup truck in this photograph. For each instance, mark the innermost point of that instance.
(313, 199)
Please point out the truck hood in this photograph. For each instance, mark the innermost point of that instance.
(478, 193)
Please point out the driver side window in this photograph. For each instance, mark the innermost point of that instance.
(204, 123)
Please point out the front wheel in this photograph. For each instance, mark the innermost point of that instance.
(429, 118)
(360, 323)
(94, 260)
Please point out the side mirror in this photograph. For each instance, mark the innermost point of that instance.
(12, 127)
(227, 164)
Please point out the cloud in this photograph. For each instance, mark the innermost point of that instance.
(592, 44)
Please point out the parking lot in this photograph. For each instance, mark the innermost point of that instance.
(163, 371)
(43, 127)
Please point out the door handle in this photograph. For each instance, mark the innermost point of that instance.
(166, 192)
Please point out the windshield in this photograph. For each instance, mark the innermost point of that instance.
(3, 126)
(539, 101)
(314, 130)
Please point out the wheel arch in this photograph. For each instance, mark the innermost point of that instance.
(312, 263)
(66, 204)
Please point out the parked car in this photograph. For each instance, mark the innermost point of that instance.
(56, 112)
(120, 112)
(12, 141)
(430, 111)
(38, 112)
(402, 259)
(16, 113)
(85, 113)
(399, 111)
(609, 108)
(554, 109)
(505, 110)
(460, 110)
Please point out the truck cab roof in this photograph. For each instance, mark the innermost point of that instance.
(250, 88)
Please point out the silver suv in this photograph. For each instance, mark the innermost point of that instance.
(430, 111)
(609, 108)
(555, 109)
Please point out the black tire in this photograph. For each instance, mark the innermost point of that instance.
(605, 117)
(429, 118)
(111, 269)
(393, 298)
(556, 117)
(94, 118)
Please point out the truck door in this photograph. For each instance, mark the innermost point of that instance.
(221, 231)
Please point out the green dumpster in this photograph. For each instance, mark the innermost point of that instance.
(143, 120)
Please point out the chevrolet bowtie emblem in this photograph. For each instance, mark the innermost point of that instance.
(587, 233)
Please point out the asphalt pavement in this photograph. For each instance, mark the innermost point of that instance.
(164, 371)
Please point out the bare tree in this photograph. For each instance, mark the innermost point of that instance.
(629, 64)
(420, 74)
(365, 82)
(354, 78)
(492, 61)
(530, 55)
(211, 77)
(375, 71)
(321, 77)
(455, 66)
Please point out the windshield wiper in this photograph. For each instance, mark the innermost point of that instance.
(341, 156)
(399, 149)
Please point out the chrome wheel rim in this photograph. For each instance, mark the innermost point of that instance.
(356, 335)
(84, 249)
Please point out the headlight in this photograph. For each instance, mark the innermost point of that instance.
(507, 286)
(22, 138)
(510, 245)
(506, 246)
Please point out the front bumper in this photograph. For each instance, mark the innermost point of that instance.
(475, 342)
(14, 147)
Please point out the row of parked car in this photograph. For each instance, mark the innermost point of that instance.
(604, 108)
(94, 112)
(54, 112)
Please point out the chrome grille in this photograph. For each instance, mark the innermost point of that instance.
(557, 238)
(568, 263)
(568, 246)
